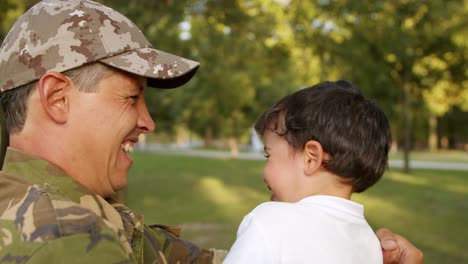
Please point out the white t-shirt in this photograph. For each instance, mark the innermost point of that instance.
(317, 229)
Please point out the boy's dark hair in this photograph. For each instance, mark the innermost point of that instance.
(353, 130)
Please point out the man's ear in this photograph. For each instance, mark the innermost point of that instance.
(313, 157)
(54, 90)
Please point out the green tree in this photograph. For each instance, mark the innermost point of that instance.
(400, 52)
(244, 55)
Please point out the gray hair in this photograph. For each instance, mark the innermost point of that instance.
(14, 101)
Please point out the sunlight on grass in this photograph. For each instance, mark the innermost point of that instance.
(373, 205)
(457, 188)
(230, 200)
(216, 192)
(445, 185)
(406, 178)
(376, 203)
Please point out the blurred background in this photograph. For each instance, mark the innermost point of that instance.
(201, 167)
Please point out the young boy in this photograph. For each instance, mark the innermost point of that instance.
(322, 144)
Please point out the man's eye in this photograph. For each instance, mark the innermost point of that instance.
(134, 98)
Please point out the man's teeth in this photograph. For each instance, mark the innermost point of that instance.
(128, 148)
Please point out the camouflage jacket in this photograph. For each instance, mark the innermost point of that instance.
(47, 217)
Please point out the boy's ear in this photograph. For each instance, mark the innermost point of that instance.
(313, 157)
(54, 90)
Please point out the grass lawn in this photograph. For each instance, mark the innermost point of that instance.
(209, 198)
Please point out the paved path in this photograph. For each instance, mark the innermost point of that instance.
(259, 156)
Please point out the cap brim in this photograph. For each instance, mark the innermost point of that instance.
(163, 70)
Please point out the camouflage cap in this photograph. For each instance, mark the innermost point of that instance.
(59, 35)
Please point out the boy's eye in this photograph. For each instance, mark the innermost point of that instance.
(266, 155)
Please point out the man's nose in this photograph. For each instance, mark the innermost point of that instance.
(145, 122)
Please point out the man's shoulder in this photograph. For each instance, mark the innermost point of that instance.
(19, 246)
(42, 212)
(38, 221)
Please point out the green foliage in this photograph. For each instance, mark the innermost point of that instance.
(211, 196)
(254, 52)
(245, 54)
(385, 46)
(10, 10)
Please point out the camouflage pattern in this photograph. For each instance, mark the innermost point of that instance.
(47, 217)
(59, 35)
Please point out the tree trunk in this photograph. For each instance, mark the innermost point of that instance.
(406, 126)
(432, 141)
(444, 142)
(208, 137)
(234, 146)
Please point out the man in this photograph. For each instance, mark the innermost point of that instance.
(72, 78)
